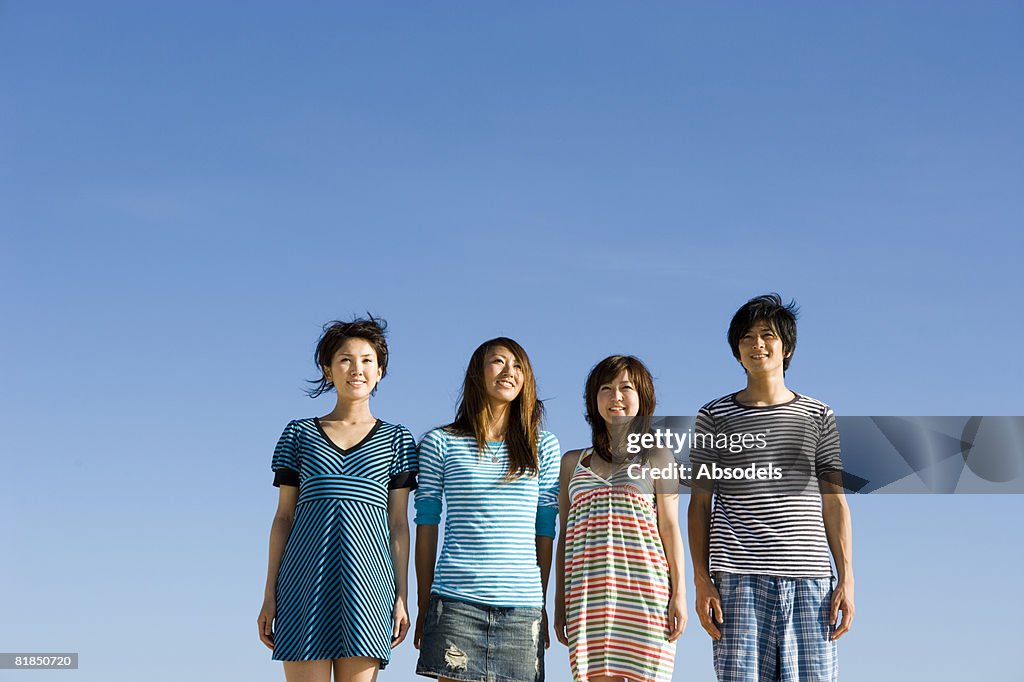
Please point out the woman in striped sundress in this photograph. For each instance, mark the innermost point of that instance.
(481, 611)
(339, 546)
(620, 601)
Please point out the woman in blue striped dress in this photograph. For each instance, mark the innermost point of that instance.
(336, 592)
(481, 609)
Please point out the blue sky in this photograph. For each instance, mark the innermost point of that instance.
(189, 190)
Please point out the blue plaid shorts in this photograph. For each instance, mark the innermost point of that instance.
(775, 630)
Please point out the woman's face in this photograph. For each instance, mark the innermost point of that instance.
(618, 399)
(503, 375)
(354, 370)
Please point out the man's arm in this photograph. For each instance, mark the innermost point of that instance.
(709, 602)
(698, 522)
(839, 532)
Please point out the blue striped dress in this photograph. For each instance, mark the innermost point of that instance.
(489, 553)
(335, 586)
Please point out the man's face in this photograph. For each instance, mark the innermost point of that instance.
(761, 350)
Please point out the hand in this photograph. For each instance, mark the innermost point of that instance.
(676, 616)
(842, 600)
(265, 621)
(561, 634)
(399, 622)
(709, 606)
(417, 634)
(544, 627)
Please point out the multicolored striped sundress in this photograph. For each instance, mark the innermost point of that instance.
(616, 578)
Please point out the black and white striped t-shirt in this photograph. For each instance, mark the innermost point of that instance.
(769, 527)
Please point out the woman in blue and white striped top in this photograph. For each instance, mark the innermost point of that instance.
(497, 474)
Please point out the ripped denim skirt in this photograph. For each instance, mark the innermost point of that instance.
(479, 643)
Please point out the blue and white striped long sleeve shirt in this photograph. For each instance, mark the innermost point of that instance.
(489, 551)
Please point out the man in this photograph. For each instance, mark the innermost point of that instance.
(764, 583)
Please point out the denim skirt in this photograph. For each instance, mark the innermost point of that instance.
(479, 643)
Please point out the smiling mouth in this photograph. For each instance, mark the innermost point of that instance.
(506, 383)
(758, 357)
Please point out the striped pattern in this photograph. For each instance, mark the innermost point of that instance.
(764, 528)
(617, 579)
(335, 587)
(489, 554)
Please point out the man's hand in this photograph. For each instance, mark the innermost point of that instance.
(709, 606)
(842, 600)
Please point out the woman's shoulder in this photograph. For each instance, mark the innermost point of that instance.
(439, 436)
(572, 457)
(391, 431)
(659, 458)
(301, 425)
(546, 437)
(444, 441)
(390, 428)
(297, 433)
(548, 445)
(574, 454)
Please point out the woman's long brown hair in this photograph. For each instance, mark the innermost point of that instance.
(605, 372)
(524, 414)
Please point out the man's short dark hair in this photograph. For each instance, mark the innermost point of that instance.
(770, 309)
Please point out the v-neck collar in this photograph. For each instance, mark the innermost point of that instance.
(606, 481)
(335, 446)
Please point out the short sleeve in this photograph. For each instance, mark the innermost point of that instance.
(285, 464)
(702, 450)
(404, 461)
(827, 454)
(430, 488)
(550, 456)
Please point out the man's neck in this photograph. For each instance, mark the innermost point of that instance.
(764, 390)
